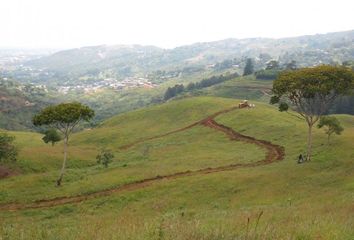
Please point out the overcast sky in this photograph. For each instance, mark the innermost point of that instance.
(164, 23)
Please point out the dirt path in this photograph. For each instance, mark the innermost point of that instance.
(274, 153)
(124, 147)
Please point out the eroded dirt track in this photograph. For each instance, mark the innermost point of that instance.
(274, 153)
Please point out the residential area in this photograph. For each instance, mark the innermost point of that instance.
(109, 83)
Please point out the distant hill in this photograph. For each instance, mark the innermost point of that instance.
(95, 58)
(125, 60)
(18, 103)
(88, 67)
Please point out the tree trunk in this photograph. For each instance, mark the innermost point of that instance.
(64, 162)
(309, 142)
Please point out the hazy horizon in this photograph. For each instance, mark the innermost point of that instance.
(127, 44)
(65, 24)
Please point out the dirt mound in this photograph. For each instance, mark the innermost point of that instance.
(6, 172)
(274, 153)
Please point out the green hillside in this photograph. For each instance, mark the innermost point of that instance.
(183, 172)
(249, 87)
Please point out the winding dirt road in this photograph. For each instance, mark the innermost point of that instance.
(274, 153)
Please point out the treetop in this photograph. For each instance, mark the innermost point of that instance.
(64, 113)
(322, 79)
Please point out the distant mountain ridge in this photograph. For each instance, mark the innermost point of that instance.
(132, 59)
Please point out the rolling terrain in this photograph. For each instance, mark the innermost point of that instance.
(121, 78)
(125, 60)
(196, 168)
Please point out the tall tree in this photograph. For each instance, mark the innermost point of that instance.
(170, 93)
(249, 68)
(331, 124)
(63, 117)
(311, 91)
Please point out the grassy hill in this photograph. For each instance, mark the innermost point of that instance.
(249, 87)
(245, 87)
(274, 200)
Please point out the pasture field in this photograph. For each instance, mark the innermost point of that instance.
(208, 200)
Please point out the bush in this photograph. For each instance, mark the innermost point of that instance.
(105, 157)
(51, 136)
(8, 151)
(267, 74)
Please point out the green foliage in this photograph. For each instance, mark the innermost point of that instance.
(331, 124)
(63, 115)
(207, 82)
(312, 91)
(249, 68)
(283, 107)
(274, 99)
(51, 135)
(267, 74)
(173, 91)
(105, 157)
(215, 80)
(8, 151)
